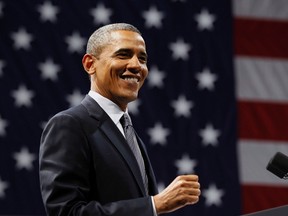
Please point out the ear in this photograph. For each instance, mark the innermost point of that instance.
(88, 64)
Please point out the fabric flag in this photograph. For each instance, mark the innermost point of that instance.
(261, 66)
(186, 112)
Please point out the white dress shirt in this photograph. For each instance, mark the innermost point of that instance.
(112, 109)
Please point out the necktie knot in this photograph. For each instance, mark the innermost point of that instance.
(125, 121)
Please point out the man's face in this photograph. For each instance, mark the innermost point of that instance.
(121, 68)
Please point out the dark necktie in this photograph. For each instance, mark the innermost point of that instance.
(132, 142)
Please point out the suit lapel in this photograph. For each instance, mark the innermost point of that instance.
(152, 184)
(120, 143)
(114, 135)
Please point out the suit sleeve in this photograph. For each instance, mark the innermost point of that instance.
(64, 161)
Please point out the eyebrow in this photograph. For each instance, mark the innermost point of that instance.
(127, 50)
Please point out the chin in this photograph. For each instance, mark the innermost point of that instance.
(131, 97)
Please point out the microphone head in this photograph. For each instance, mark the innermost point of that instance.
(278, 165)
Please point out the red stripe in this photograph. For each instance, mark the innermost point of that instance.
(256, 198)
(264, 121)
(261, 38)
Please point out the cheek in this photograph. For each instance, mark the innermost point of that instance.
(145, 73)
(108, 74)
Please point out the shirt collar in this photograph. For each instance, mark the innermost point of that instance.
(112, 109)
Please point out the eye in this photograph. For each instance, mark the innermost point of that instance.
(142, 58)
(123, 55)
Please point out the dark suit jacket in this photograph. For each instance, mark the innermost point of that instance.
(87, 168)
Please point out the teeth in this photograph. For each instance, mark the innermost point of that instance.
(131, 79)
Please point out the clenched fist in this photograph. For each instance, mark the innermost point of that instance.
(184, 190)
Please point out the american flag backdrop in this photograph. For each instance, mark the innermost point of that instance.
(214, 103)
(261, 71)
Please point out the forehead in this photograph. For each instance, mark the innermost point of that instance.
(122, 38)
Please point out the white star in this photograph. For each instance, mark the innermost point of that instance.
(185, 165)
(22, 39)
(153, 17)
(1, 9)
(2, 65)
(75, 43)
(24, 159)
(213, 195)
(161, 186)
(42, 124)
(75, 98)
(3, 124)
(158, 134)
(182, 106)
(23, 96)
(49, 70)
(133, 107)
(180, 49)
(48, 11)
(155, 77)
(209, 135)
(101, 14)
(3, 186)
(205, 20)
(206, 79)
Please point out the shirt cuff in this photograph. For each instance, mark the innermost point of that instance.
(153, 205)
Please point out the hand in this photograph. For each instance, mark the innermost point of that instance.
(184, 190)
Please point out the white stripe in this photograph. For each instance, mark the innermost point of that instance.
(261, 79)
(253, 158)
(262, 9)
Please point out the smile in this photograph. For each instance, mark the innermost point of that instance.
(131, 79)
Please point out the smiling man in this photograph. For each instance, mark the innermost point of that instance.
(118, 71)
(91, 161)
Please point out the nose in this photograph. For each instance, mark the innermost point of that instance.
(134, 64)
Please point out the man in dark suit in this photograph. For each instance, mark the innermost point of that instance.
(86, 165)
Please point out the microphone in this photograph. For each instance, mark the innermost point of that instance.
(278, 165)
